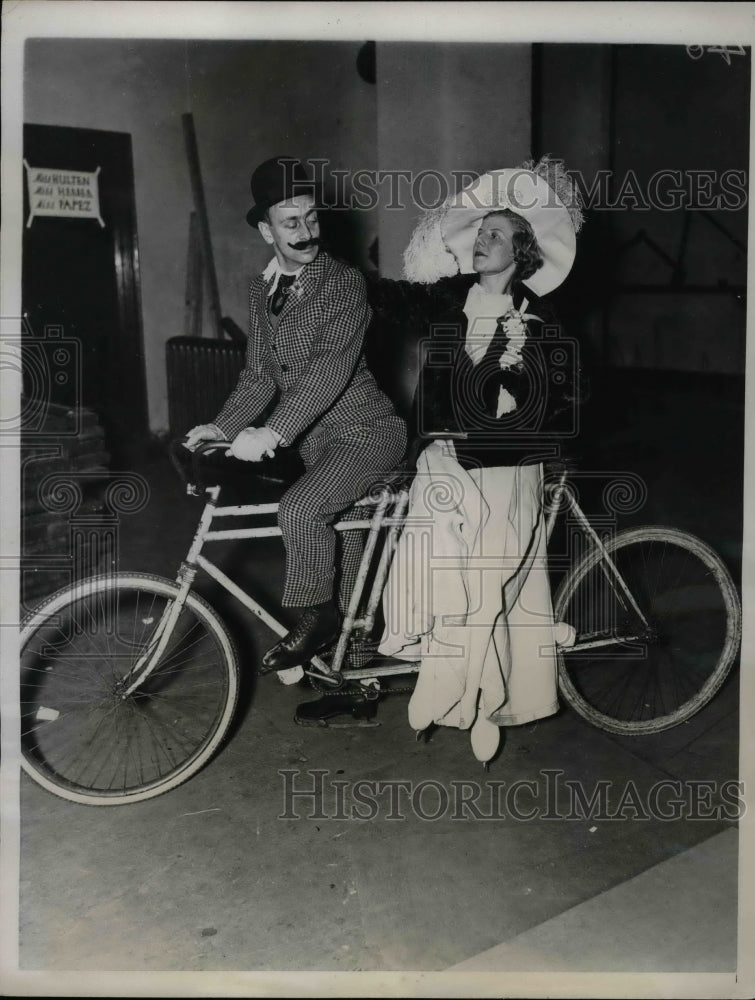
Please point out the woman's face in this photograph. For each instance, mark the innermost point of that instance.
(493, 249)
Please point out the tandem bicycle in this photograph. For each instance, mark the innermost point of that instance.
(129, 682)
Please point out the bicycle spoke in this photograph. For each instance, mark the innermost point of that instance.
(160, 738)
(66, 764)
(145, 621)
(160, 743)
(81, 732)
(683, 590)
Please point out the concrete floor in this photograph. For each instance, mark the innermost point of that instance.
(209, 877)
(627, 927)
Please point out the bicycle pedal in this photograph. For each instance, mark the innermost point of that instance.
(342, 709)
(351, 724)
(290, 676)
(370, 688)
(337, 723)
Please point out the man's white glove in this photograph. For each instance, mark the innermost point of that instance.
(252, 444)
(203, 432)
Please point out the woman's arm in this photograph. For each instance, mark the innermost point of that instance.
(394, 301)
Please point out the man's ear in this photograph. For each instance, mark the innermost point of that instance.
(266, 232)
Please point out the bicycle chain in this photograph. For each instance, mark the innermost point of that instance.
(329, 690)
(398, 690)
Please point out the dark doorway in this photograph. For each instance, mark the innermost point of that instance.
(81, 283)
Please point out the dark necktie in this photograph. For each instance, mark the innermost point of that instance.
(279, 297)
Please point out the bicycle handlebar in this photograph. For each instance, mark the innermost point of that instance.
(178, 457)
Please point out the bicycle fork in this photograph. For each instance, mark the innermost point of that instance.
(609, 569)
(146, 663)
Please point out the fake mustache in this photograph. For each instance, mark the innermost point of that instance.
(305, 244)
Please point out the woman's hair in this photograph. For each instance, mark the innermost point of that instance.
(527, 255)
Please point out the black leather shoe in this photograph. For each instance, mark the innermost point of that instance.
(316, 629)
(354, 708)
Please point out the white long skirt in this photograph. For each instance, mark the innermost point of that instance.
(493, 660)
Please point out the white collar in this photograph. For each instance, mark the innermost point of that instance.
(482, 310)
(274, 271)
(477, 291)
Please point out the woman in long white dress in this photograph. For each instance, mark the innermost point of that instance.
(468, 593)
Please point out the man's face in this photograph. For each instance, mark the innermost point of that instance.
(493, 248)
(294, 231)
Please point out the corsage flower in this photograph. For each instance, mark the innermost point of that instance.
(514, 325)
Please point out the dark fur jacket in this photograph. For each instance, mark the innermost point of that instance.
(456, 398)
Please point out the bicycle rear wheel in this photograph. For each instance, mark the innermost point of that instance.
(82, 736)
(645, 665)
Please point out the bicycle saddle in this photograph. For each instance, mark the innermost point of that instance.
(208, 465)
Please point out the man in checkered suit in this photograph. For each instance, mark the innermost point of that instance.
(308, 315)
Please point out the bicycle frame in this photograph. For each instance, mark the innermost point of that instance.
(374, 525)
(560, 492)
(559, 495)
(196, 560)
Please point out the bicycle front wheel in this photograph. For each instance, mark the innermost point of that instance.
(85, 738)
(656, 637)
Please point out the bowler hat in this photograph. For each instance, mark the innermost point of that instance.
(276, 180)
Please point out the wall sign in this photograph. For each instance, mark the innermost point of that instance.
(67, 194)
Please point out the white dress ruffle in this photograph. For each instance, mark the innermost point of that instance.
(469, 595)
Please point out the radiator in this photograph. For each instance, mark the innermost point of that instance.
(202, 372)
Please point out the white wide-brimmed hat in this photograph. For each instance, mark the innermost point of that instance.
(542, 193)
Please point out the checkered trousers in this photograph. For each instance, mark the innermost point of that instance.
(342, 464)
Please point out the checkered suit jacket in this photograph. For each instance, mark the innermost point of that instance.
(313, 360)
